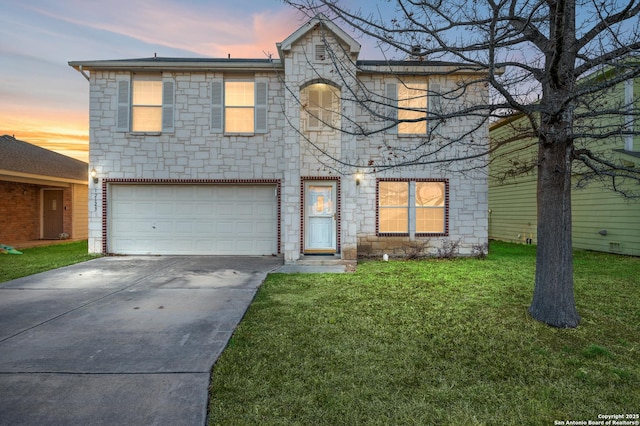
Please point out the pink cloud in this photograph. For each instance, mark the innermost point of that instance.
(203, 30)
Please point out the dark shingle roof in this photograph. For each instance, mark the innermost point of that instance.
(19, 156)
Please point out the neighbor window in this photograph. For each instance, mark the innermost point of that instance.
(321, 107)
(412, 105)
(239, 106)
(412, 207)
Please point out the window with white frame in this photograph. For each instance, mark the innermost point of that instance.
(145, 103)
(239, 106)
(412, 207)
(430, 200)
(407, 105)
(393, 207)
(322, 106)
(412, 108)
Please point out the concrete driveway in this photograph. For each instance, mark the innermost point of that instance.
(120, 340)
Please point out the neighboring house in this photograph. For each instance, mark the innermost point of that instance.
(43, 194)
(602, 219)
(242, 156)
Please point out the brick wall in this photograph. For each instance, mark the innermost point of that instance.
(67, 218)
(19, 212)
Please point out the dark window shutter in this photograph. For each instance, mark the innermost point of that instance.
(261, 107)
(217, 107)
(391, 102)
(124, 108)
(168, 105)
(434, 105)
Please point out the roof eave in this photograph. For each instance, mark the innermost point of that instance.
(421, 68)
(145, 65)
(15, 176)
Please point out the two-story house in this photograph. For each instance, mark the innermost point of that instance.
(261, 156)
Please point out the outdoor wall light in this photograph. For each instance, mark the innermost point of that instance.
(94, 175)
(358, 178)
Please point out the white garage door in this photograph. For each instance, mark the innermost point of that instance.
(192, 219)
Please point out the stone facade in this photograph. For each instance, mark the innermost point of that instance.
(288, 152)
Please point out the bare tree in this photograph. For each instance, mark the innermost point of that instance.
(550, 61)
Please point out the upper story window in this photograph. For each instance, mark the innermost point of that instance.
(416, 207)
(408, 102)
(322, 106)
(412, 109)
(145, 104)
(239, 106)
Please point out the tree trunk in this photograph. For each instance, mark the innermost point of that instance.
(553, 301)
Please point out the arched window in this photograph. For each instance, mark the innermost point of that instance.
(321, 103)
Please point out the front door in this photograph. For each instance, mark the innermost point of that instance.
(320, 217)
(52, 213)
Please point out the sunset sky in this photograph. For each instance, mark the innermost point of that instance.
(46, 102)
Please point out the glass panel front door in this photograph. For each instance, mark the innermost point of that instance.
(320, 217)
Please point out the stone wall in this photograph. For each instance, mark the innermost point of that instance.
(194, 152)
(191, 152)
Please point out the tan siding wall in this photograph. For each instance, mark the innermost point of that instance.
(80, 228)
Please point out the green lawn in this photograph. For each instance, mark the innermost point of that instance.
(445, 342)
(39, 259)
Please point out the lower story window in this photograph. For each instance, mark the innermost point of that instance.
(408, 206)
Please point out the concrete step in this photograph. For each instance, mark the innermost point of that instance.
(322, 260)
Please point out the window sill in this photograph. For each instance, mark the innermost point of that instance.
(432, 234)
(327, 130)
(144, 133)
(417, 234)
(412, 135)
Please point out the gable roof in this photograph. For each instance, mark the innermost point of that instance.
(25, 159)
(272, 64)
(227, 64)
(319, 20)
